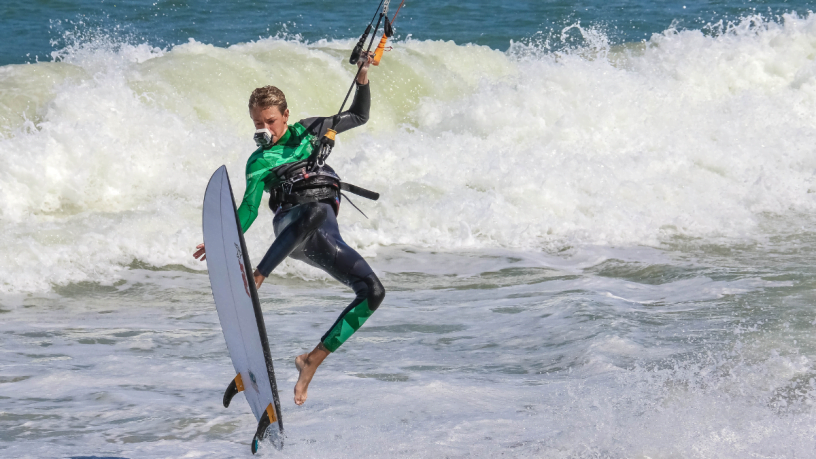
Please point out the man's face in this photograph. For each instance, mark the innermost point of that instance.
(270, 118)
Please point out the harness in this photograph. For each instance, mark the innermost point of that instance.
(300, 185)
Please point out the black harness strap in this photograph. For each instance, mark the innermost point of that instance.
(324, 193)
(359, 191)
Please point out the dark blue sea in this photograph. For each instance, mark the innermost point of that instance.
(32, 30)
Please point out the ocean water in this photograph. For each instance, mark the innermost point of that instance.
(596, 229)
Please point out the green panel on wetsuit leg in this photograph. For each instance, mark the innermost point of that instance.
(346, 327)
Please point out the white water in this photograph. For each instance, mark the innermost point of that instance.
(104, 154)
(589, 253)
(644, 355)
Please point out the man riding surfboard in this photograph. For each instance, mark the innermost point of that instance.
(306, 200)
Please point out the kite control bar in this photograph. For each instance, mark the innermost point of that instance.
(327, 141)
(388, 32)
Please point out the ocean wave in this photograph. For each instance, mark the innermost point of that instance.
(105, 152)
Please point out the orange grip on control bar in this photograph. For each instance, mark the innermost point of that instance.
(378, 54)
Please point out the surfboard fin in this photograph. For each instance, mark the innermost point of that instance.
(237, 385)
(267, 419)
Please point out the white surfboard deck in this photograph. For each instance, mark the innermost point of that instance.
(236, 300)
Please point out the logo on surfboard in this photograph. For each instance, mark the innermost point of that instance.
(240, 256)
(254, 382)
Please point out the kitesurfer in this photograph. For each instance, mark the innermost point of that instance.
(306, 200)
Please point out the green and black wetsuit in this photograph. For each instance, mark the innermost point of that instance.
(308, 231)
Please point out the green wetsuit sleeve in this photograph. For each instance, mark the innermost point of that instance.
(248, 210)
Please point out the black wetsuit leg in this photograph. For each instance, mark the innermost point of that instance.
(309, 233)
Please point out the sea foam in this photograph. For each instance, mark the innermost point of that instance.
(105, 152)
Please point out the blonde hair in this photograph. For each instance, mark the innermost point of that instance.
(268, 96)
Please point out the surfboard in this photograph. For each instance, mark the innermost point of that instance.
(239, 310)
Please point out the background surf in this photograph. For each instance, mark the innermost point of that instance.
(104, 151)
(596, 243)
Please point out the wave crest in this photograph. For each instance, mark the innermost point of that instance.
(698, 133)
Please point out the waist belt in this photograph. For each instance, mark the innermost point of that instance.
(313, 195)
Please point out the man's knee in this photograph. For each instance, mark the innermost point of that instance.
(376, 291)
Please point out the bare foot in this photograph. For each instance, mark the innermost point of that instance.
(306, 365)
(300, 388)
